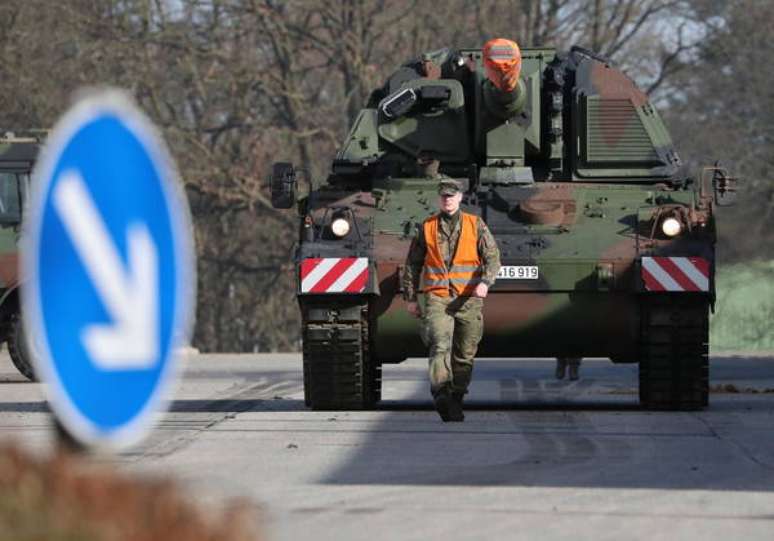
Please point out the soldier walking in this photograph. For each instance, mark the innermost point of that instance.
(457, 259)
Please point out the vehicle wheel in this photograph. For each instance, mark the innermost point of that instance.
(339, 373)
(18, 349)
(674, 353)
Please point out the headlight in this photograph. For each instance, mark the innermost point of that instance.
(340, 227)
(671, 227)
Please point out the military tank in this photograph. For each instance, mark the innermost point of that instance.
(607, 243)
(18, 153)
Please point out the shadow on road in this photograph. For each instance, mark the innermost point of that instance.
(236, 406)
(523, 428)
(478, 405)
(535, 431)
(24, 407)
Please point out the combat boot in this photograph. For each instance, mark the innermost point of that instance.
(442, 400)
(456, 414)
(561, 367)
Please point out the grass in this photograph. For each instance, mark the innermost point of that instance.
(744, 311)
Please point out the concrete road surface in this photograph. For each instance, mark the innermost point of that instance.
(536, 458)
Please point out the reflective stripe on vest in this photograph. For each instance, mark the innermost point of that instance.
(465, 272)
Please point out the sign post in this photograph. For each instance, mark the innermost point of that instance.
(108, 267)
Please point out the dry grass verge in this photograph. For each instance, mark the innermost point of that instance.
(65, 499)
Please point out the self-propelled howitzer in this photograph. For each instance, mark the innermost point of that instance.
(607, 244)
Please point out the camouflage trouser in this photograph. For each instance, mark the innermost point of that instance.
(452, 329)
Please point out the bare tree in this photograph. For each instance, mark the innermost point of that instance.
(237, 84)
(725, 111)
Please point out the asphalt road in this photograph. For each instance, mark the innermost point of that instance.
(535, 458)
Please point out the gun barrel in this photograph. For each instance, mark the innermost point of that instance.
(502, 63)
(506, 94)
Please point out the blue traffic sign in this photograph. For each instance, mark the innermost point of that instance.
(108, 267)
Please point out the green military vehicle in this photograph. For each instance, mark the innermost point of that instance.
(607, 244)
(17, 157)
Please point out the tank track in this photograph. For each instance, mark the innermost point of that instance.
(674, 353)
(340, 372)
(18, 349)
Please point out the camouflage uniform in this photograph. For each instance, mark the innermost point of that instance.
(453, 325)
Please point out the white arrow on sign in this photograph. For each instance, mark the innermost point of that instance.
(130, 294)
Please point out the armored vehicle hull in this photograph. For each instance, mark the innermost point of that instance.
(607, 246)
(17, 156)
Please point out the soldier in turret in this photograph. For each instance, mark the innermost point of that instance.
(427, 165)
(457, 259)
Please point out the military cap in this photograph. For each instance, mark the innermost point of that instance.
(449, 186)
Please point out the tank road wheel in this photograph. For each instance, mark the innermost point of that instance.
(674, 353)
(18, 349)
(339, 370)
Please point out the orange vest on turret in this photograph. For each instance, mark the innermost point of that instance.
(465, 272)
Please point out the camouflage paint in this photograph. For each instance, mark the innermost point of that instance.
(584, 223)
(17, 157)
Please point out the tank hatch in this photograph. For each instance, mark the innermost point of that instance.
(619, 133)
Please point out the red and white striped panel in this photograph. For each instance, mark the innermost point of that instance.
(675, 273)
(334, 275)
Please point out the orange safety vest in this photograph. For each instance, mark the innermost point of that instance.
(465, 273)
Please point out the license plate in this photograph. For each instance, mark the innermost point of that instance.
(518, 272)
